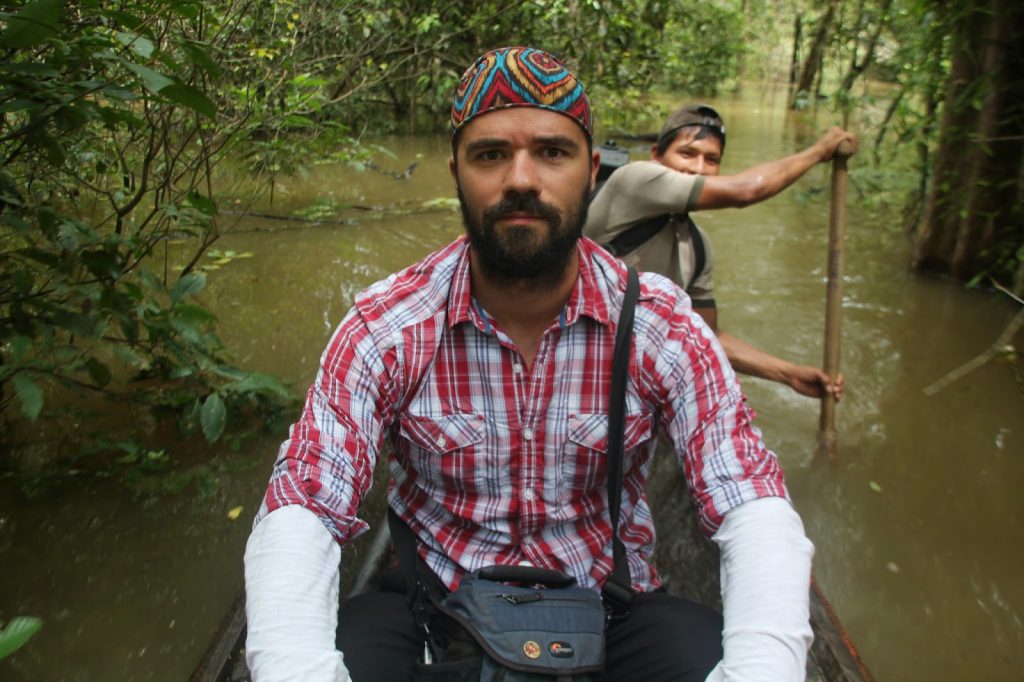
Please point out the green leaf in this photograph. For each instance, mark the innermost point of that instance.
(199, 55)
(54, 152)
(190, 284)
(189, 320)
(40, 256)
(129, 328)
(143, 47)
(33, 24)
(124, 18)
(9, 190)
(212, 417)
(30, 395)
(130, 357)
(204, 205)
(20, 346)
(17, 633)
(257, 382)
(151, 80)
(98, 372)
(187, 330)
(18, 105)
(187, 96)
(229, 372)
(150, 280)
(31, 69)
(192, 314)
(102, 263)
(76, 323)
(123, 94)
(189, 10)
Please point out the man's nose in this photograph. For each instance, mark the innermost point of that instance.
(522, 173)
(698, 165)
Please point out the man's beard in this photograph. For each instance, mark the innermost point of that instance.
(520, 254)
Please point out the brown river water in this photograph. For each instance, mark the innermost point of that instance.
(914, 522)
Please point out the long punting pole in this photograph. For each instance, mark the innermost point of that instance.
(834, 296)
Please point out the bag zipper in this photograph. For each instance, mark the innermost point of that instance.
(518, 599)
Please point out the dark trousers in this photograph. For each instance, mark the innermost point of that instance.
(663, 638)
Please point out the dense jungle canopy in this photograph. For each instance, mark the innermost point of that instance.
(115, 116)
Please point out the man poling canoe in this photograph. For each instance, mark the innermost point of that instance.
(643, 214)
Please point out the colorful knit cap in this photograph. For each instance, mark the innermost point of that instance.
(519, 77)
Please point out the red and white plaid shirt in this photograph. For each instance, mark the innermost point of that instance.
(494, 462)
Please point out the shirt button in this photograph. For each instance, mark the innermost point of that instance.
(529, 495)
(528, 538)
(441, 441)
(527, 434)
(517, 368)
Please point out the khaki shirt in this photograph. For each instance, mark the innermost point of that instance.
(642, 190)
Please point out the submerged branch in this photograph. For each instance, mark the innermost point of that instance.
(998, 346)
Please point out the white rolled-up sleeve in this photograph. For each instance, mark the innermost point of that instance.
(292, 585)
(766, 572)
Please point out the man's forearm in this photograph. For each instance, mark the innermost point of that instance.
(765, 180)
(291, 585)
(747, 359)
(766, 570)
(804, 379)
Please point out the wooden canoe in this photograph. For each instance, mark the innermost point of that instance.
(833, 657)
(687, 561)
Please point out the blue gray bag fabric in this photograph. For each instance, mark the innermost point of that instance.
(530, 633)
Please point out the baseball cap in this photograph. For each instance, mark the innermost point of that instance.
(692, 115)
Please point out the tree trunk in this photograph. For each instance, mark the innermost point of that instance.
(973, 218)
(937, 237)
(794, 62)
(858, 67)
(815, 56)
(998, 148)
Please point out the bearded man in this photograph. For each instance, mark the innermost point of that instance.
(486, 366)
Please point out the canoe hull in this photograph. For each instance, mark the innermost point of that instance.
(687, 562)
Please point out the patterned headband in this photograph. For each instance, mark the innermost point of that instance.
(520, 77)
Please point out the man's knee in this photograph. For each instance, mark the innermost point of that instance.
(664, 638)
(378, 637)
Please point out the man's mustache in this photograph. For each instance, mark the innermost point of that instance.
(522, 203)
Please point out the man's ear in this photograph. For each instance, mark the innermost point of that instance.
(655, 156)
(451, 166)
(595, 167)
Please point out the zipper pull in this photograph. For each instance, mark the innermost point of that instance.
(518, 599)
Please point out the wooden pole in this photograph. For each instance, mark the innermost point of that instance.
(834, 297)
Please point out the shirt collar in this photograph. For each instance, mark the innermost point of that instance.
(589, 295)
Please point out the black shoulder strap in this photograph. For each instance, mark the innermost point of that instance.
(699, 251)
(618, 591)
(636, 236)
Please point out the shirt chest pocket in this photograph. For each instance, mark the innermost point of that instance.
(445, 449)
(586, 449)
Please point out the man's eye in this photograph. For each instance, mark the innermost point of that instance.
(489, 155)
(553, 153)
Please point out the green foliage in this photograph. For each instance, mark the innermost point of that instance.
(109, 132)
(715, 48)
(17, 633)
(309, 75)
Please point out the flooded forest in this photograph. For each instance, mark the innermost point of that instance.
(193, 193)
